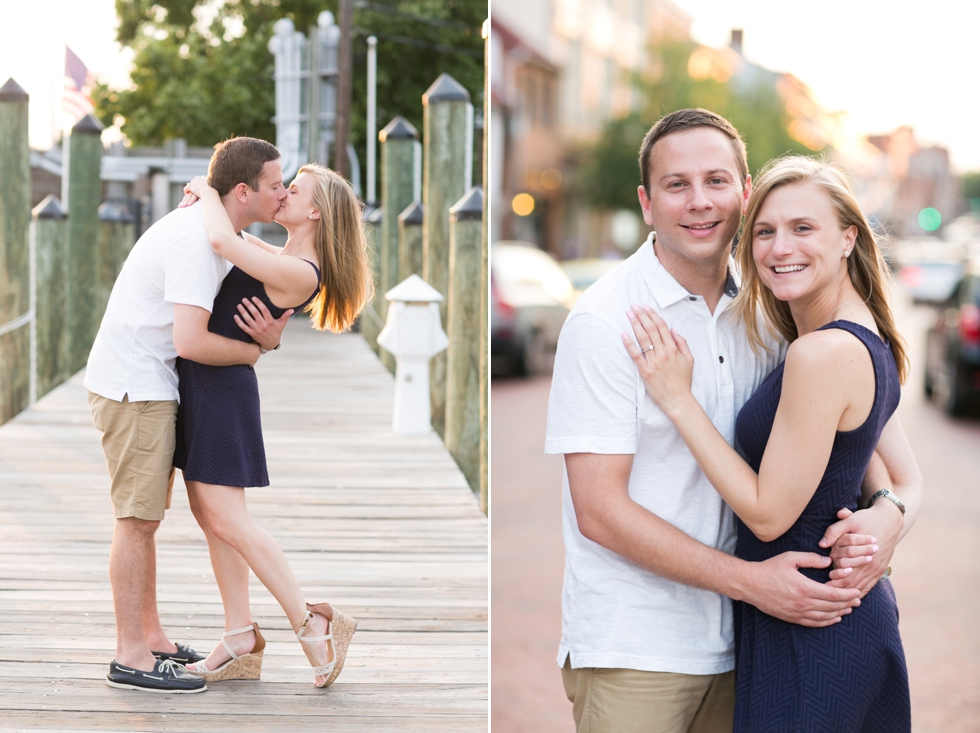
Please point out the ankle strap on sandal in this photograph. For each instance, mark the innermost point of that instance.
(227, 646)
(305, 626)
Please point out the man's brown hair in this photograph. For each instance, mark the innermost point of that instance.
(687, 119)
(239, 160)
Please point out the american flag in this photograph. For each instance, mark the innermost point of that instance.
(77, 98)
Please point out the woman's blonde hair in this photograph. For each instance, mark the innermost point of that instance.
(341, 246)
(866, 265)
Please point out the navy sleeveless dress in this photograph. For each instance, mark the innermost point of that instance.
(219, 426)
(849, 677)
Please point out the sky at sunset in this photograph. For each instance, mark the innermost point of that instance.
(885, 63)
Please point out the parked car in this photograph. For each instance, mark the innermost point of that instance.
(931, 281)
(530, 297)
(583, 272)
(952, 369)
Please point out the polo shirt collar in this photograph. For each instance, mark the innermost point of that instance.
(666, 290)
(733, 279)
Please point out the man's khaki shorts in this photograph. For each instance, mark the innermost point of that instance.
(138, 439)
(631, 701)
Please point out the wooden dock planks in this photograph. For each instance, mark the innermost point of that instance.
(381, 525)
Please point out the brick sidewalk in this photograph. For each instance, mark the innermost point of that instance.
(528, 560)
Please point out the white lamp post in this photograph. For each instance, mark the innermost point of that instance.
(413, 334)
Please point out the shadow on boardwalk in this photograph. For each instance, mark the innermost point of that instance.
(383, 526)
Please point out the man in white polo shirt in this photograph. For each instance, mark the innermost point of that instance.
(647, 639)
(159, 309)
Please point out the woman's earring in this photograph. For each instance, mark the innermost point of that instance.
(847, 254)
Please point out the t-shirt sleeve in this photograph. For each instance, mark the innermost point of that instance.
(592, 408)
(192, 276)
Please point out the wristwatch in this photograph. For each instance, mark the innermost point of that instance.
(266, 351)
(885, 493)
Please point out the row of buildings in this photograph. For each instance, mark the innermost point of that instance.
(560, 69)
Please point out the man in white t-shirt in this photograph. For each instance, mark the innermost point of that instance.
(158, 310)
(647, 639)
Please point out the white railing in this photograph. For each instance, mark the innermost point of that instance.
(17, 323)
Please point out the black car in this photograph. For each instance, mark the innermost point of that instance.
(952, 370)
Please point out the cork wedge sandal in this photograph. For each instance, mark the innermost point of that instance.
(240, 666)
(340, 629)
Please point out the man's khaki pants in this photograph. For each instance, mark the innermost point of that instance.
(631, 701)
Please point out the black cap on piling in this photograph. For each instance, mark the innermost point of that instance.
(413, 216)
(49, 208)
(13, 92)
(398, 129)
(88, 125)
(469, 207)
(445, 89)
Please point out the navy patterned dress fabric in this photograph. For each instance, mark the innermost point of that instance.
(849, 677)
(219, 427)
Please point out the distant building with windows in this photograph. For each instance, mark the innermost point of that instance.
(560, 69)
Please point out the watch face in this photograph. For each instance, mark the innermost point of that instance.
(887, 494)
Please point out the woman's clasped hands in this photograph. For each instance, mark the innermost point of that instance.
(662, 358)
(193, 191)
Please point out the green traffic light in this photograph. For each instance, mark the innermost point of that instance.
(930, 219)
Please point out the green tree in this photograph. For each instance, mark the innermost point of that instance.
(760, 116)
(971, 185)
(202, 70)
(609, 173)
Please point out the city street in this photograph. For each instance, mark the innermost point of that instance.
(936, 569)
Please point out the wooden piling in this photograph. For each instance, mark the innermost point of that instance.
(116, 238)
(370, 322)
(51, 252)
(398, 141)
(463, 355)
(484, 288)
(15, 217)
(446, 175)
(84, 196)
(410, 223)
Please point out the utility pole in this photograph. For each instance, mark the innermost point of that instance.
(345, 72)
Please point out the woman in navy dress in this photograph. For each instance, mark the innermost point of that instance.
(323, 268)
(811, 264)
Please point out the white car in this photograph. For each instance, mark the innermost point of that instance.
(584, 272)
(530, 297)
